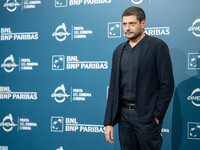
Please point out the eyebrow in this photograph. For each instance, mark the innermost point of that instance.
(132, 22)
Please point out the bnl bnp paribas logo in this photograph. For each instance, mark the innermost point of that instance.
(195, 28)
(59, 124)
(195, 97)
(3, 147)
(115, 30)
(193, 61)
(8, 124)
(194, 130)
(12, 5)
(60, 148)
(65, 3)
(7, 94)
(73, 63)
(24, 64)
(60, 94)
(7, 34)
(76, 32)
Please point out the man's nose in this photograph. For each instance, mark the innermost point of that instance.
(128, 27)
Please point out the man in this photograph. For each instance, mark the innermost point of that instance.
(141, 86)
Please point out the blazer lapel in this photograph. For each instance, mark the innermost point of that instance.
(119, 56)
(121, 48)
(143, 52)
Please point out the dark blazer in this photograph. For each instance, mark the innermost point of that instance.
(154, 82)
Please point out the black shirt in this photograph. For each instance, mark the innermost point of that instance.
(128, 70)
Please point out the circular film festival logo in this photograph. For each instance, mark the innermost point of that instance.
(9, 64)
(195, 97)
(195, 28)
(137, 1)
(11, 6)
(8, 123)
(61, 32)
(60, 94)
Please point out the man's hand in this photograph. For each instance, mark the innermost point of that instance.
(157, 121)
(108, 134)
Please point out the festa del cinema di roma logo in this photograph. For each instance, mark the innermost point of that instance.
(60, 94)
(11, 5)
(195, 97)
(136, 1)
(77, 32)
(195, 28)
(61, 33)
(8, 123)
(23, 124)
(24, 64)
(9, 64)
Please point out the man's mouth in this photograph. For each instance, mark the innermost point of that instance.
(129, 32)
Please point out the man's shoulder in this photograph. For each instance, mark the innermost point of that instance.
(121, 45)
(156, 41)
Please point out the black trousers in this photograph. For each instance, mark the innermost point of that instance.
(136, 135)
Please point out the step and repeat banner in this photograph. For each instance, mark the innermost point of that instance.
(55, 63)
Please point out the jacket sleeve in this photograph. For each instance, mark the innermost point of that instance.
(166, 80)
(111, 94)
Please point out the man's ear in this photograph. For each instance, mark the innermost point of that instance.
(143, 23)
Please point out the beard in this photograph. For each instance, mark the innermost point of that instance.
(135, 36)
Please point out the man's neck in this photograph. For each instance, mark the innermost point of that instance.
(135, 41)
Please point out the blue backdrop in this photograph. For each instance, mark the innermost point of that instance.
(55, 68)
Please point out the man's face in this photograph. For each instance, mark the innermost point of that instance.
(133, 28)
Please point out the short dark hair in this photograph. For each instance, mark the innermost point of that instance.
(135, 11)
